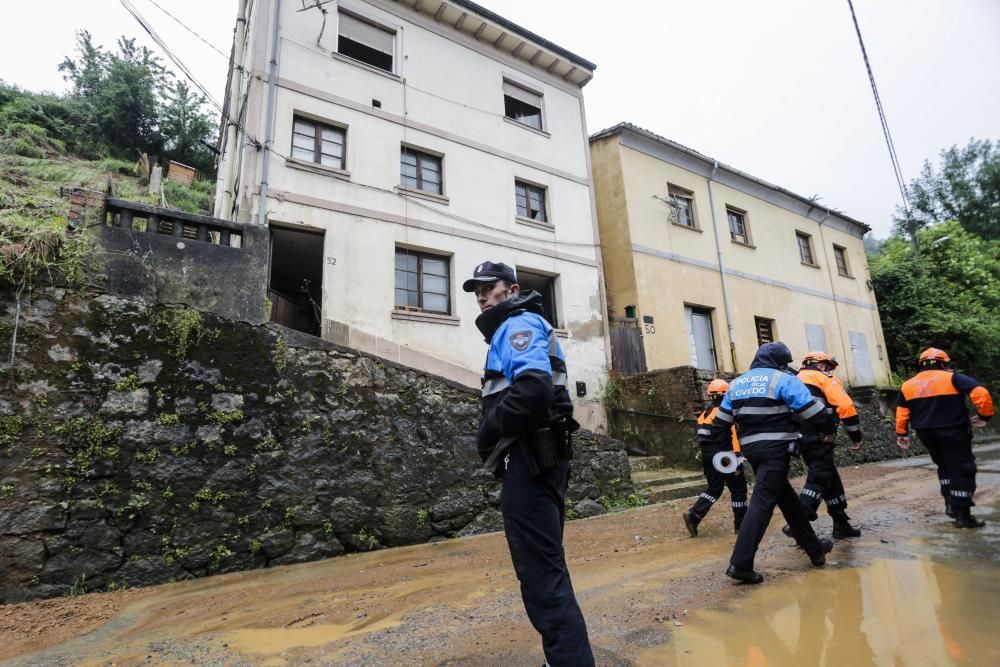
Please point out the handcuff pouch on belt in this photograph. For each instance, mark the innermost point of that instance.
(547, 446)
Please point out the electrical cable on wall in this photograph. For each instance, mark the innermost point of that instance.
(900, 181)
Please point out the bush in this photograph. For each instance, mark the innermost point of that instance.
(29, 140)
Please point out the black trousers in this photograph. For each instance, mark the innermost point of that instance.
(770, 462)
(534, 511)
(823, 481)
(736, 483)
(951, 451)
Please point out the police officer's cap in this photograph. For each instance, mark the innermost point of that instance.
(489, 272)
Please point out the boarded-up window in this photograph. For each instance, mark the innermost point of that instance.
(765, 330)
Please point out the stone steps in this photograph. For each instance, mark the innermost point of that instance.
(657, 483)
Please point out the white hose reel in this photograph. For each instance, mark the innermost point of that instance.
(726, 462)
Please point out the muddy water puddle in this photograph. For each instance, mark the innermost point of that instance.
(928, 599)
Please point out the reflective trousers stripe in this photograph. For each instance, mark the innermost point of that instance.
(704, 431)
(854, 428)
(761, 437)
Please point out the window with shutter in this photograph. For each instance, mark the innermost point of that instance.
(522, 105)
(365, 41)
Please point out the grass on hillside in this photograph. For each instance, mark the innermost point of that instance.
(34, 236)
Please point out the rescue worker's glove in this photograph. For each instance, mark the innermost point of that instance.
(977, 421)
(903, 442)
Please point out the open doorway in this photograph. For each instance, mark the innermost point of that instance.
(296, 283)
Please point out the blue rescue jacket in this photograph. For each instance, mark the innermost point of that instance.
(524, 379)
(766, 401)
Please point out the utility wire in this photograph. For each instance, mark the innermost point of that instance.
(184, 70)
(900, 181)
(183, 25)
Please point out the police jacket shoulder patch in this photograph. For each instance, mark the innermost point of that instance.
(520, 340)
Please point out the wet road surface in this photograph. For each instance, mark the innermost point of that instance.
(911, 591)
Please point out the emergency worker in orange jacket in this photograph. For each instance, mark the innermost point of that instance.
(933, 401)
(823, 481)
(711, 444)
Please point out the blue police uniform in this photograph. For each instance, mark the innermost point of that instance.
(524, 390)
(765, 404)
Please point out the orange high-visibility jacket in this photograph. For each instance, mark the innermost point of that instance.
(936, 399)
(705, 420)
(825, 386)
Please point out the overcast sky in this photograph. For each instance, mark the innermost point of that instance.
(776, 88)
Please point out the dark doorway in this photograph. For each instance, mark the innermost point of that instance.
(544, 285)
(296, 284)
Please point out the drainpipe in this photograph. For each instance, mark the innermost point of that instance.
(231, 138)
(722, 270)
(272, 86)
(833, 291)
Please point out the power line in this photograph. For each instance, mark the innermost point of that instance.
(184, 70)
(183, 25)
(900, 181)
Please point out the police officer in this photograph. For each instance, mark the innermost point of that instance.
(823, 481)
(934, 402)
(765, 403)
(723, 441)
(524, 438)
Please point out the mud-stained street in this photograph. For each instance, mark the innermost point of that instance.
(912, 590)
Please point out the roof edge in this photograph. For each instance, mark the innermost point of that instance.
(629, 127)
(524, 32)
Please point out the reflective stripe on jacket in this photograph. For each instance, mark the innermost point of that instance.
(706, 436)
(765, 404)
(936, 399)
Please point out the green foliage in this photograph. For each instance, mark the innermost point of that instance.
(34, 246)
(168, 419)
(368, 539)
(966, 188)
(185, 327)
(79, 586)
(28, 140)
(948, 296)
(618, 503)
(6, 490)
(10, 430)
(219, 554)
(423, 515)
(128, 383)
(613, 396)
(90, 439)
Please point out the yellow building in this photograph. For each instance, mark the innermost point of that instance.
(703, 263)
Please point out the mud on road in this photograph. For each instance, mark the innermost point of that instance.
(640, 579)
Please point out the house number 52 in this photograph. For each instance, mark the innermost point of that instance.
(332, 261)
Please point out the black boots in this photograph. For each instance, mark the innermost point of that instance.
(964, 519)
(842, 527)
(691, 520)
(826, 546)
(744, 576)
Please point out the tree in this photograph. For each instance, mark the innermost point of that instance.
(187, 128)
(947, 297)
(120, 94)
(965, 188)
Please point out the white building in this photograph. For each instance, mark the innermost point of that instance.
(391, 146)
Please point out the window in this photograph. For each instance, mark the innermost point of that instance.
(765, 330)
(315, 142)
(738, 225)
(420, 171)
(365, 41)
(544, 285)
(422, 282)
(840, 254)
(682, 206)
(805, 248)
(522, 105)
(530, 201)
